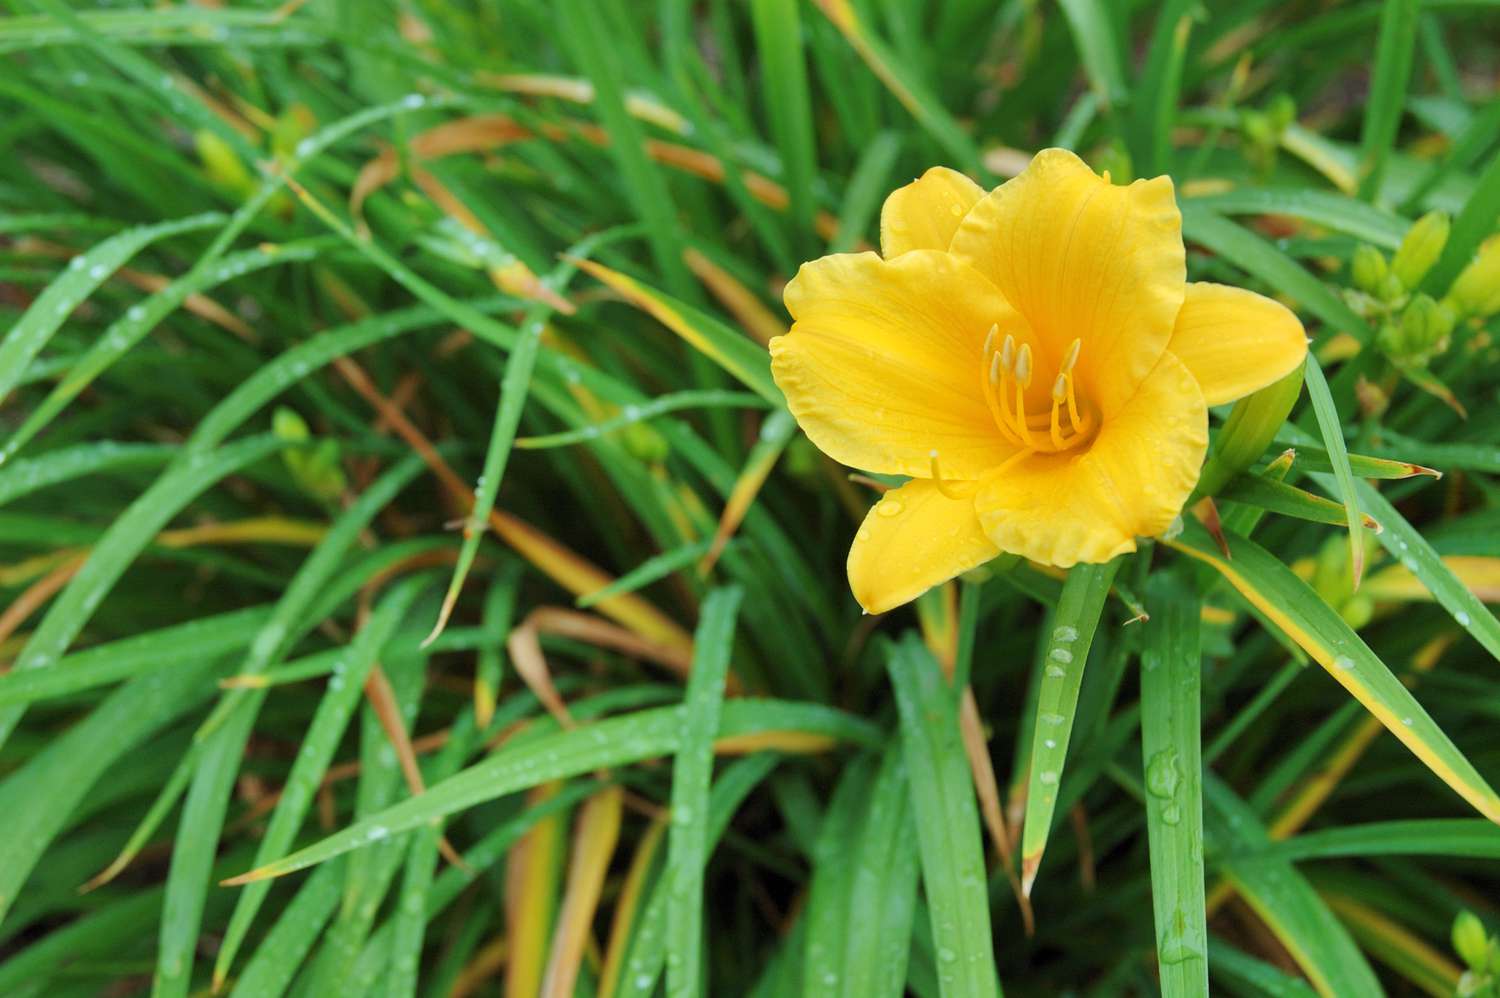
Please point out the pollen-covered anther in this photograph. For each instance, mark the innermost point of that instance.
(1023, 382)
(1071, 357)
(1059, 396)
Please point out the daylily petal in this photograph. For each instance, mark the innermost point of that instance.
(883, 363)
(1235, 341)
(1131, 482)
(1082, 258)
(911, 540)
(925, 213)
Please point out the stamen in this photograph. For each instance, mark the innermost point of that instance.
(1059, 395)
(1008, 352)
(1071, 357)
(1023, 365)
(1073, 406)
(1023, 382)
(937, 479)
(992, 382)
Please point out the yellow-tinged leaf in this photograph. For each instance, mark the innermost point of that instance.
(790, 742)
(1396, 946)
(564, 566)
(1321, 784)
(741, 302)
(1479, 574)
(775, 433)
(1291, 605)
(581, 91)
(654, 304)
(594, 838)
(628, 907)
(531, 880)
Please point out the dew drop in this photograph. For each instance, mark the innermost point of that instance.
(1162, 776)
(1343, 662)
(1462, 618)
(889, 507)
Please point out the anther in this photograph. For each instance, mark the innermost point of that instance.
(1071, 357)
(989, 339)
(1008, 352)
(1023, 382)
(994, 368)
(1059, 395)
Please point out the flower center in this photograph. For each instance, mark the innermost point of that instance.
(1008, 373)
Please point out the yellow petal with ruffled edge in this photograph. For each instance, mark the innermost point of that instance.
(1081, 258)
(1130, 482)
(925, 213)
(1235, 341)
(913, 539)
(883, 363)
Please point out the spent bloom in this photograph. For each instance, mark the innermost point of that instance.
(1033, 359)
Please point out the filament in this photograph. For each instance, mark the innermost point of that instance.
(942, 484)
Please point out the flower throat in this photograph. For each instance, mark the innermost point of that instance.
(1006, 375)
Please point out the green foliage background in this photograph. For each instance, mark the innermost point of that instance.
(291, 293)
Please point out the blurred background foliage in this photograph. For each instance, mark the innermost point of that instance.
(392, 477)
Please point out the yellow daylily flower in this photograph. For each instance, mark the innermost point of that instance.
(1033, 359)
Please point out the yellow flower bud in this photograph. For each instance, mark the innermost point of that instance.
(1476, 292)
(1420, 249)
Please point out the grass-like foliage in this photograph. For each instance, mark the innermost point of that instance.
(412, 580)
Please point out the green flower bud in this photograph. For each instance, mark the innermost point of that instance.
(1368, 269)
(1248, 431)
(1257, 129)
(1476, 292)
(316, 469)
(1391, 289)
(1420, 249)
(645, 443)
(1470, 941)
(1391, 340)
(313, 466)
(287, 425)
(222, 164)
(292, 126)
(1281, 111)
(1357, 610)
(1423, 332)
